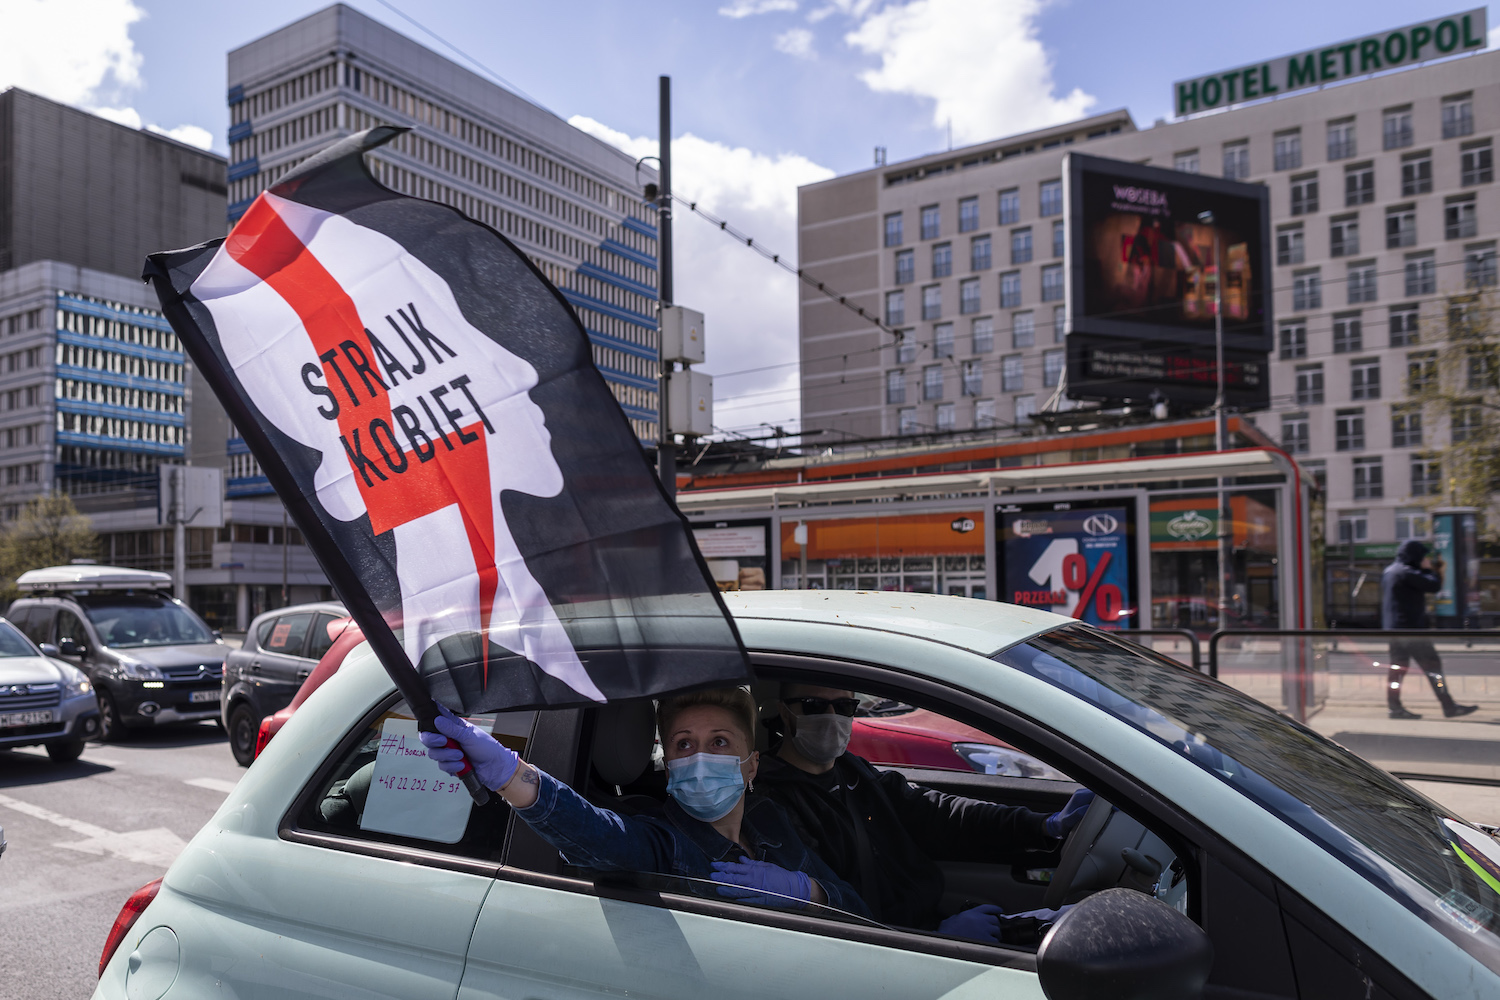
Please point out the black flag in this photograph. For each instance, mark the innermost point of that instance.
(426, 404)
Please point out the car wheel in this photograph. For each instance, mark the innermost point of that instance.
(242, 730)
(64, 751)
(111, 726)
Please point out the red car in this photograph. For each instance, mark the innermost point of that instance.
(346, 635)
(895, 734)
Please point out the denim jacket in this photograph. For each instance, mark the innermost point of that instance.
(670, 842)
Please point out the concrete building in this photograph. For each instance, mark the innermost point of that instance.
(1383, 206)
(571, 202)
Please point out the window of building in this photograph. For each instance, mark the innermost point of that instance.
(1476, 164)
(1307, 290)
(906, 347)
(1460, 218)
(895, 308)
(1341, 139)
(1369, 478)
(1347, 334)
(942, 340)
(1051, 198)
(906, 267)
(1412, 522)
(932, 382)
(1318, 469)
(1052, 283)
(1403, 325)
(1012, 373)
(1465, 316)
(1053, 363)
(1059, 239)
(1458, 116)
(1364, 378)
(932, 301)
(1361, 283)
(893, 229)
(1023, 329)
(1294, 435)
(1416, 174)
(1293, 340)
(1406, 426)
(984, 414)
(968, 214)
(1020, 245)
(1349, 430)
(1290, 246)
(1186, 161)
(1359, 184)
(895, 387)
(1010, 289)
(1309, 384)
(1477, 370)
(1025, 409)
(1426, 476)
(979, 253)
(1465, 422)
(1421, 273)
(1287, 150)
(1400, 227)
(1479, 265)
(1237, 160)
(1304, 194)
(942, 260)
(968, 296)
(1343, 236)
(1059, 324)
(931, 222)
(1010, 206)
(1421, 371)
(1354, 526)
(983, 334)
(1395, 127)
(946, 417)
(906, 420)
(973, 379)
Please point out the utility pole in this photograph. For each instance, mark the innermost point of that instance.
(1221, 426)
(285, 589)
(666, 444)
(176, 513)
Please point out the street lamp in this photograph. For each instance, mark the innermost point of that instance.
(1221, 426)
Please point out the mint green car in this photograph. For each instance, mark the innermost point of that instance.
(338, 869)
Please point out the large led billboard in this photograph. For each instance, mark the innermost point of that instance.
(1143, 271)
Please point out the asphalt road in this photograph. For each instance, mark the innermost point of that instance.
(84, 836)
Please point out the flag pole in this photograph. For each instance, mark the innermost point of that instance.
(666, 444)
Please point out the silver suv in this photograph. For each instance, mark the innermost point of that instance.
(42, 700)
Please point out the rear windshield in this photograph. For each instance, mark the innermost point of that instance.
(144, 621)
(1434, 865)
(13, 643)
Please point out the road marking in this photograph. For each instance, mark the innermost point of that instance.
(212, 784)
(103, 761)
(157, 847)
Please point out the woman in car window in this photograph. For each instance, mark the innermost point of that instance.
(700, 832)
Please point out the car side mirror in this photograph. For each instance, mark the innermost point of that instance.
(1120, 944)
(218, 633)
(48, 649)
(68, 647)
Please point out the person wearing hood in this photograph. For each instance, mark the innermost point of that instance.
(882, 834)
(1404, 587)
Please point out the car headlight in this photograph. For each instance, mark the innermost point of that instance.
(986, 758)
(75, 688)
(138, 671)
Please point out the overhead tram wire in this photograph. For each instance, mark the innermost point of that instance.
(496, 77)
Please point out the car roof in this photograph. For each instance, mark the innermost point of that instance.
(979, 626)
(90, 577)
(330, 607)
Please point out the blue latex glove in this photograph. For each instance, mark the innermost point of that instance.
(1061, 823)
(754, 881)
(981, 923)
(494, 763)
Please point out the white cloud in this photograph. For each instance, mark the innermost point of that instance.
(749, 303)
(190, 134)
(129, 117)
(982, 65)
(796, 42)
(749, 8)
(1494, 37)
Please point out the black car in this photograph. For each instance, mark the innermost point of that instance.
(262, 676)
(150, 658)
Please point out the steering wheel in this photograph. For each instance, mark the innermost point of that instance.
(1075, 849)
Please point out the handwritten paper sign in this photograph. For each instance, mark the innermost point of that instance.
(409, 795)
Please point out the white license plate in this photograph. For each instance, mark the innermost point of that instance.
(13, 719)
(203, 696)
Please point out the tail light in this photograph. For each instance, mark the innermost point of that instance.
(129, 914)
(263, 736)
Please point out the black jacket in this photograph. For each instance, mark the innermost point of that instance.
(908, 829)
(1404, 587)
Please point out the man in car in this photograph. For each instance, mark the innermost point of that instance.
(1404, 587)
(881, 833)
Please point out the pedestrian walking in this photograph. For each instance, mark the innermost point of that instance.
(1404, 587)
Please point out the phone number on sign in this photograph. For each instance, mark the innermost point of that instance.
(397, 783)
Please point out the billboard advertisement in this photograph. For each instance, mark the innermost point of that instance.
(1071, 558)
(1144, 268)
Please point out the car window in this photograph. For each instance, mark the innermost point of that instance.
(320, 641)
(263, 632)
(288, 634)
(13, 643)
(38, 627)
(70, 628)
(893, 733)
(19, 617)
(382, 787)
(124, 621)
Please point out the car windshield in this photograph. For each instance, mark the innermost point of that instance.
(13, 643)
(1434, 865)
(145, 621)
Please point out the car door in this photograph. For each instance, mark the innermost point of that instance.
(280, 665)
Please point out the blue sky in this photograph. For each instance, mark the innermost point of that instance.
(769, 94)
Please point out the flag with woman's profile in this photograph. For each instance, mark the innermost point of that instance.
(425, 403)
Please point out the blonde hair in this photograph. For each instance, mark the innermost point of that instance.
(737, 701)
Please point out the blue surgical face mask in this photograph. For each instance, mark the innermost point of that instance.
(706, 785)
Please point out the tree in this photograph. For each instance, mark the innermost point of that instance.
(48, 532)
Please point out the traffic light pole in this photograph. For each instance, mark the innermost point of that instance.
(666, 444)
